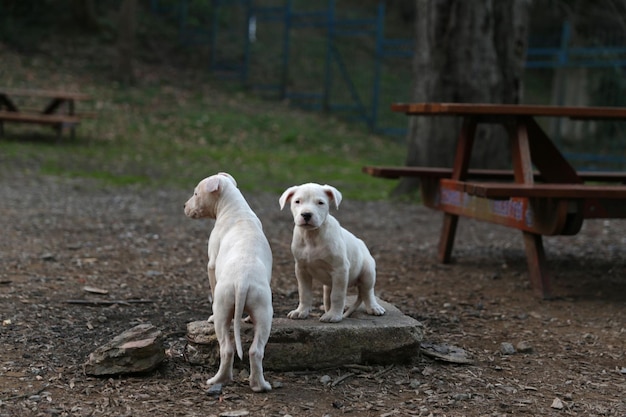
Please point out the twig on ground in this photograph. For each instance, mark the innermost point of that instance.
(17, 397)
(383, 371)
(341, 379)
(107, 302)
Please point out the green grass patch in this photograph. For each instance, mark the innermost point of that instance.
(167, 133)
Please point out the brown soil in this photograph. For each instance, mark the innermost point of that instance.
(61, 235)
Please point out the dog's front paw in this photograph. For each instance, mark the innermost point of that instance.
(260, 386)
(330, 317)
(219, 379)
(376, 310)
(298, 314)
(210, 319)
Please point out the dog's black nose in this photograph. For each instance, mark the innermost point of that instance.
(306, 216)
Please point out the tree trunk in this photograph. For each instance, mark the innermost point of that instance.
(126, 41)
(466, 51)
(86, 15)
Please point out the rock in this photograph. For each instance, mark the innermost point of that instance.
(524, 347)
(215, 390)
(325, 379)
(446, 352)
(507, 348)
(139, 349)
(557, 404)
(304, 344)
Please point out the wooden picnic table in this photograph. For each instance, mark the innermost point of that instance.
(542, 195)
(58, 109)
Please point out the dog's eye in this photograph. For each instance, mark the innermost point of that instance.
(321, 202)
(296, 201)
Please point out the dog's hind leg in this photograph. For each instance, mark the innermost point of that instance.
(211, 273)
(366, 292)
(353, 307)
(257, 350)
(227, 352)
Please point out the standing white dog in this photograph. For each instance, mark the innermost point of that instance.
(240, 270)
(329, 253)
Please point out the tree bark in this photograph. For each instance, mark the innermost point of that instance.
(86, 15)
(466, 51)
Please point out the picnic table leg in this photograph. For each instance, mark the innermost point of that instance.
(547, 158)
(464, 148)
(59, 130)
(6, 102)
(459, 172)
(537, 267)
(53, 106)
(446, 240)
(521, 150)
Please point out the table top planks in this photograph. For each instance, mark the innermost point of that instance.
(478, 109)
(55, 94)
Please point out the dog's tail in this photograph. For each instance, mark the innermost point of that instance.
(240, 301)
(353, 307)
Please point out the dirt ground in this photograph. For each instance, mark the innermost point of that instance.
(59, 236)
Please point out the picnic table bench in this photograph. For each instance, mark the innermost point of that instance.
(541, 196)
(59, 110)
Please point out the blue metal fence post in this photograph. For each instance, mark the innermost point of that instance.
(378, 57)
(286, 49)
(328, 75)
(182, 20)
(247, 4)
(213, 35)
(562, 61)
(566, 35)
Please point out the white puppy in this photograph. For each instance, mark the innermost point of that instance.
(329, 253)
(240, 270)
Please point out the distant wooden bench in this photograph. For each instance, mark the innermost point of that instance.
(51, 114)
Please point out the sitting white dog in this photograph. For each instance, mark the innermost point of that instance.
(329, 253)
(240, 270)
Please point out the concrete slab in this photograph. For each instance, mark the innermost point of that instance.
(393, 338)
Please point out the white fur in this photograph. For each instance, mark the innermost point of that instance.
(239, 269)
(325, 251)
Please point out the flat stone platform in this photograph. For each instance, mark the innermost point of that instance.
(393, 338)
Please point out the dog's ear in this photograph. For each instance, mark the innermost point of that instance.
(333, 194)
(284, 199)
(227, 175)
(212, 184)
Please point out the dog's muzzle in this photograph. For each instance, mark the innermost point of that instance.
(306, 220)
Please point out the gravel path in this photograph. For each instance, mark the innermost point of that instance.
(60, 235)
